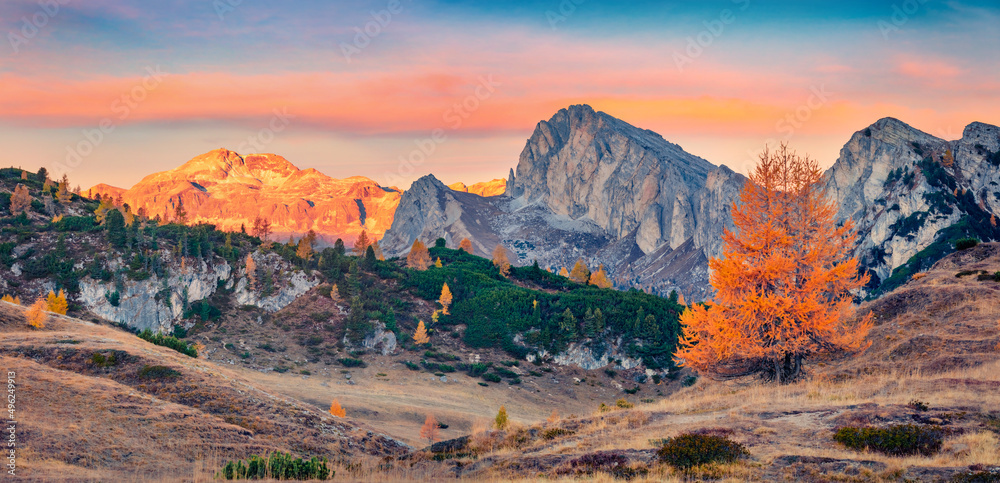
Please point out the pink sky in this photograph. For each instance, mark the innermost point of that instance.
(360, 117)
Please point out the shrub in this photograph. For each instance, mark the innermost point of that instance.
(691, 449)
(157, 372)
(613, 463)
(553, 433)
(351, 362)
(277, 465)
(966, 243)
(101, 360)
(169, 342)
(896, 440)
(621, 403)
(918, 405)
(411, 366)
(491, 378)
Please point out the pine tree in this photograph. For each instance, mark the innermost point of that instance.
(63, 195)
(501, 260)
(430, 429)
(445, 298)
(501, 421)
(35, 315)
(567, 324)
(420, 336)
(600, 278)
(336, 410)
(419, 258)
(783, 286)
(180, 214)
(580, 272)
(589, 323)
(115, 224)
(466, 244)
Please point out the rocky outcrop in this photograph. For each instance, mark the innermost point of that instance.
(588, 186)
(228, 190)
(904, 188)
(495, 187)
(158, 303)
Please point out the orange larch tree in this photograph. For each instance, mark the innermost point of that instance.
(600, 278)
(430, 429)
(362, 243)
(337, 410)
(418, 258)
(783, 286)
(466, 244)
(501, 260)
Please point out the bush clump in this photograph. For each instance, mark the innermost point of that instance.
(966, 243)
(352, 362)
(692, 449)
(613, 463)
(169, 342)
(896, 440)
(277, 465)
(158, 372)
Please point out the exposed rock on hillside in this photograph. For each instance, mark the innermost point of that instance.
(486, 188)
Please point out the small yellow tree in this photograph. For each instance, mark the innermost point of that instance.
(501, 422)
(8, 298)
(563, 272)
(949, 159)
(680, 299)
(445, 298)
(501, 260)
(419, 258)
(335, 293)
(35, 315)
(251, 271)
(580, 272)
(437, 263)
(600, 278)
(420, 336)
(554, 417)
(57, 303)
(378, 250)
(430, 429)
(336, 410)
(466, 245)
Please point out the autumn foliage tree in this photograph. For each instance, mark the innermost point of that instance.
(20, 200)
(501, 422)
(600, 278)
(430, 429)
(501, 260)
(420, 336)
(580, 272)
(362, 243)
(418, 258)
(57, 303)
(35, 315)
(465, 244)
(251, 271)
(783, 285)
(445, 298)
(337, 410)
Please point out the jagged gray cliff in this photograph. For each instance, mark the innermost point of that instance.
(591, 186)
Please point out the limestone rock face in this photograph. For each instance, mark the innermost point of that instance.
(903, 188)
(495, 187)
(588, 186)
(229, 190)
